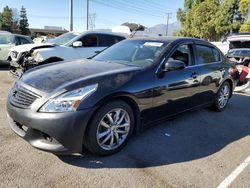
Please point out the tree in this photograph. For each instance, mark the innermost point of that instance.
(228, 19)
(245, 9)
(6, 19)
(209, 19)
(202, 24)
(15, 21)
(23, 23)
(245, 27)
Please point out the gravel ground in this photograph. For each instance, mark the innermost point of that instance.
(198, 149)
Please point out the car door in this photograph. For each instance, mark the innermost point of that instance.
(88, 48)
(177, 90)
(210, 63)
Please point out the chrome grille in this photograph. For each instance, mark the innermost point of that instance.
(22, 97)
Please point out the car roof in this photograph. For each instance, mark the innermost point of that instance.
(12, 34)
(174, 39)
(22, 35)
(4, 32)
(100, 32)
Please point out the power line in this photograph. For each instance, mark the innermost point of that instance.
(153, 4)
(53, 17)
(138, 7)
(145, 6)
(122, 8)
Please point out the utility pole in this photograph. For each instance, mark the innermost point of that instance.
(71, 15)
(248, 15)
(168, 17)
(91, 24)
(87, 24)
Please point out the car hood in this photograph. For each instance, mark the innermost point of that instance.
(61, 75)
(28, 47)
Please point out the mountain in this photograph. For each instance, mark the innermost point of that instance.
(161, 29)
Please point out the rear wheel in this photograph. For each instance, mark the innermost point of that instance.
(110, 128)
(222, 97)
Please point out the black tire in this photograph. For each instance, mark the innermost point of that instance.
(92, 143)
(217, 106)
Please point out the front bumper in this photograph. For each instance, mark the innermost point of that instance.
(60, 133)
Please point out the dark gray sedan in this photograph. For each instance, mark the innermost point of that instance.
(98, 103)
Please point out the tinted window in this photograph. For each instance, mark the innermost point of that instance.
(23, 40)
(183, 53)
(89, 41)
(63, 39)
(205, 54)
(108, 40)
(216, 55)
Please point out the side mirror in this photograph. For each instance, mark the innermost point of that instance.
(171, 65)
(77, 44)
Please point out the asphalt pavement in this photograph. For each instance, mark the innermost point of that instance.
(198, 149)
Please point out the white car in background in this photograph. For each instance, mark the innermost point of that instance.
(68, 46)
(9, 40)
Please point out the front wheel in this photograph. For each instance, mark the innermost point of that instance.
(222, 97)
(110, 128)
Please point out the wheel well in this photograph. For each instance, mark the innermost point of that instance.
(231, 86)
(130, 102)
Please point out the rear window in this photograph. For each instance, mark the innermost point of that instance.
(23, 40)
(217, 55)
(239, 44)
(90, 41)
(205, 54)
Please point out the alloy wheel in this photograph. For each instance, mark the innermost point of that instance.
(223, 96)
(113, 129)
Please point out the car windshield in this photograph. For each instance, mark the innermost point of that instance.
(139, 53)
(64, 38)
(6, 39)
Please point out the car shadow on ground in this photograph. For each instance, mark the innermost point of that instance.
(4, 67)
(192, 136)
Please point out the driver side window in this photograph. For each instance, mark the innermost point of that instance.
(183, 53)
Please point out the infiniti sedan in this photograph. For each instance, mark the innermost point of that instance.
(98, 103)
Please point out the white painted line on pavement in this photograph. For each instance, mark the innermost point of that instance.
(229, 179)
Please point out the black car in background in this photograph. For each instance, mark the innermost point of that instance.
(98, 103)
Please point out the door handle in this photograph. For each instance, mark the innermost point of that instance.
(194, 75)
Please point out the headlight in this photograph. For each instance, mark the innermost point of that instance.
(37, 57)
(68, 101)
